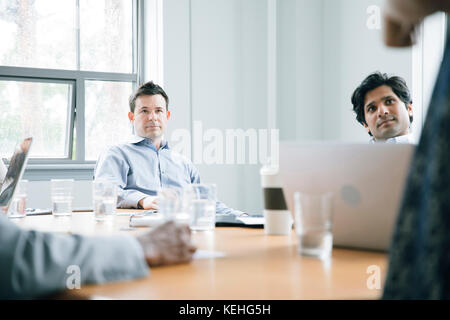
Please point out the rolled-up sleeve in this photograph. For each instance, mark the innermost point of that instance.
(34, 263)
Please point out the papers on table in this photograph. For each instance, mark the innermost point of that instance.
(151, 220)
(154, 219)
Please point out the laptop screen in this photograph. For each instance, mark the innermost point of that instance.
(15, 172)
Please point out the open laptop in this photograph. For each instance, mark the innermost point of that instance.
(367, 181)
(8, 186)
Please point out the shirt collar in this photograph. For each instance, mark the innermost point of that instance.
(407, 138)
(134, 139)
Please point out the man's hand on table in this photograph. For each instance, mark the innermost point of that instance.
(149, 203)
(168, 243)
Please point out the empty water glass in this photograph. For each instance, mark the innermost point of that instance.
(104, 195)
(18, 205)
(62, 196)
(200, 203)
(313, 224)
(170, 205)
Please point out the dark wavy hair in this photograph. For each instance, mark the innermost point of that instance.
(373, 81)
(148, 89)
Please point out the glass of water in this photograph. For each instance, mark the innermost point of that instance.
(62, 196)
(17, 208)
(200, 204)
(104, 195)
(313, 224)
(170, 205)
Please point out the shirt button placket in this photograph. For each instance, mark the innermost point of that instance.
(161, 170)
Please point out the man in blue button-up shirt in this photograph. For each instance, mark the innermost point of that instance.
(145, 164)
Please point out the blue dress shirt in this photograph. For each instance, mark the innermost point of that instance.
(140, 170)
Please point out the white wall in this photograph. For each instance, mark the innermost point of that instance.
(215, 71)
(177, 62)
(300, 65)
(38, 195)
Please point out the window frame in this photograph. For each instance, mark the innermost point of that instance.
(78, 167)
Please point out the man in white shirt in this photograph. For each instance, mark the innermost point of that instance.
(383, 106)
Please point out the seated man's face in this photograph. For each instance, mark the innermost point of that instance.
(150, 116)
(386, 115)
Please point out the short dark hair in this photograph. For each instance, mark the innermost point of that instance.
(147, 89)
(373, 81)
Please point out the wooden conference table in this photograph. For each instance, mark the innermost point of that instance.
(253, 266)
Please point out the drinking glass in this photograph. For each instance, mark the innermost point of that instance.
(62, 196)
(170, 204)
(17, 208)
(104, 195)
(200, 205)
(313, 224)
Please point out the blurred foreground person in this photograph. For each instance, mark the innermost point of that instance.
(419, 263)
(35, 264)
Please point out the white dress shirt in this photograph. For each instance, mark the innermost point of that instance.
(407, 138)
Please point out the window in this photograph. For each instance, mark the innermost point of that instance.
(67, 68)
(39, 109)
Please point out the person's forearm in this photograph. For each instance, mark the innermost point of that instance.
(36, 263)
(129, 198)
(221, 208)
